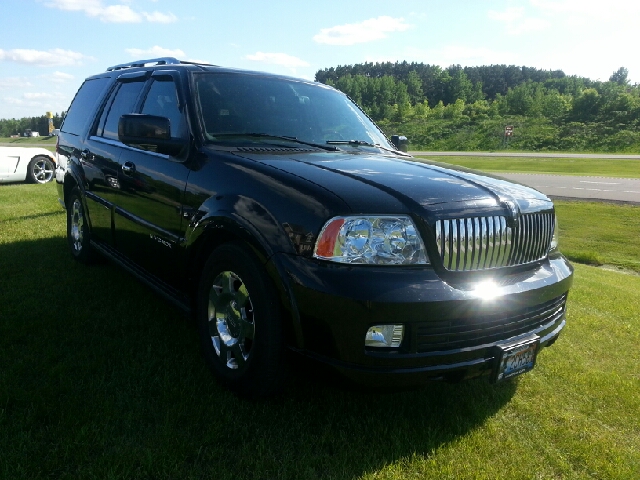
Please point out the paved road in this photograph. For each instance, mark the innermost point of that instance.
(543, 155)
(586, 188)
(595, 188)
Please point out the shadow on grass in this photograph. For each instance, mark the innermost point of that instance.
(35, 216)
(101, 378)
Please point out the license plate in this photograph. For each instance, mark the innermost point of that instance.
(516, 358)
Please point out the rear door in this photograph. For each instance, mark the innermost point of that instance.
(101, 152)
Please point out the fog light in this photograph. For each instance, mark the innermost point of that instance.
(384, 336)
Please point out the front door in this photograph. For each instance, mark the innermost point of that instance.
(148, 217)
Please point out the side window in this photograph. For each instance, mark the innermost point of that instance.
(124, 102)
(162, 100)
(83, 105)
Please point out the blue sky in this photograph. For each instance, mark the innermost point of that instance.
(48, 47)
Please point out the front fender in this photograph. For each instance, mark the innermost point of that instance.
(243, 220)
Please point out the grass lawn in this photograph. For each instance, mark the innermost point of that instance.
(598, 233)
(100, 379)
(45, 142)
(556, 166)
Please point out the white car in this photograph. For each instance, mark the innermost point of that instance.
(19, 164)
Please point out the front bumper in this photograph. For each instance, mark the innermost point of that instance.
(452, 328)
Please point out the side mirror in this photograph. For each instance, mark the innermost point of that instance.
(149, 132)
(400, 142)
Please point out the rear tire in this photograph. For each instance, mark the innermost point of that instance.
(239, 323)
(78, 235)
(41, 169)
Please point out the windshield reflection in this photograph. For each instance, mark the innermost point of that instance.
(232, 105)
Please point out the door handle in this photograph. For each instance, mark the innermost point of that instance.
(128, 168)
(86, 155)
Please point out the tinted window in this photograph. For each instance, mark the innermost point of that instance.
(124, 102)
(233, 104)
(162, 100)
(83, 105)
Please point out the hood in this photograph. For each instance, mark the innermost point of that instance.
(429, 185)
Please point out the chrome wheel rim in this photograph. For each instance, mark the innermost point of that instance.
(77, 225)
(230, 315)
(43, 170)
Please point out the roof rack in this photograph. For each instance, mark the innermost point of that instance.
(144, 63)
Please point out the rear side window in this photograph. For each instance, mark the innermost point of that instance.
(84, 104)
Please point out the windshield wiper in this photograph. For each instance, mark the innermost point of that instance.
(279, 137)
(363, 143)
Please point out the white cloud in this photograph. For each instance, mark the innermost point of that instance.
(111, 13)
(50, 58)
(593, 8)
(118, 14)
(36, 96)
(13, 82)
(281, 59)
(516, 23)
(159, 17)
(13, 101)
(511, 14)
(619, 15)
(29, 104)
(59, 77)
(154, 52)
(366, 31)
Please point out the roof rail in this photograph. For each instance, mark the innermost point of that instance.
(143, 63)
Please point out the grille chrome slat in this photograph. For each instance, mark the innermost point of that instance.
(479, 243)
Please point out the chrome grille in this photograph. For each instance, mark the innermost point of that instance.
(479, 243)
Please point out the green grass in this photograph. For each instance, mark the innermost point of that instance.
(29, 140)
(598, 233)
(45, 142)
(100, 378)
(556, 166)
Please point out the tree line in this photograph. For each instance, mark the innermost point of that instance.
(14, 126)
(467, 108)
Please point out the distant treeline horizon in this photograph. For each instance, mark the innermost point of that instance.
(467, 108)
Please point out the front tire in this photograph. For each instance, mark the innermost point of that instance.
(239, 323)
(41, 169)
(78, 235)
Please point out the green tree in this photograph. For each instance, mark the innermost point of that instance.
(585, 107)
(620, 76)
(414, 88)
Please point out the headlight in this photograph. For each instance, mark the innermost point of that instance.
(378, 240)
(554, 239)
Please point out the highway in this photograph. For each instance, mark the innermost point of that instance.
(585, 188)
(532, 155)
(608, 189)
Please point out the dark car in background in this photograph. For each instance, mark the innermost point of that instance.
(274, 211)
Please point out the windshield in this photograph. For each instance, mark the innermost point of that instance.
(235, 104)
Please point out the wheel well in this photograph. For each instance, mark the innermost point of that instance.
(41, 155)
(69, 185)
(206, 244)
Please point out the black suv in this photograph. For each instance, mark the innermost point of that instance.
(274, 211)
